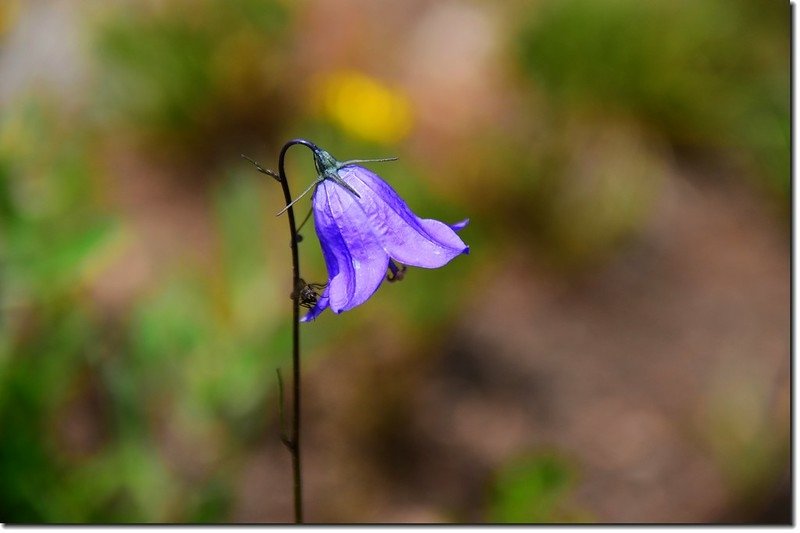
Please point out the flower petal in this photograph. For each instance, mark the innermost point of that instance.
(458, 226)
(322, 303)
(355, 259)
(407, 238)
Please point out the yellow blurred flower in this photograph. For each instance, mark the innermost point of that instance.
(365, 107)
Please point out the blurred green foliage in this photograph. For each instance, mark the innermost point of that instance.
(711, 74)
(618, 91)
(585, 190)
(52, 235)
(194, 73)
(534, 489)
(46, 182)
(87, 398)
(195, 352)
(736, 419)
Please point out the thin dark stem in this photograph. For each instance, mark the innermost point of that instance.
(284, 438)
(294, 440)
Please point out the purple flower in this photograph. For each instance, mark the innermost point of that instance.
(365, 228)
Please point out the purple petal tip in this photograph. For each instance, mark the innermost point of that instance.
(458, 226)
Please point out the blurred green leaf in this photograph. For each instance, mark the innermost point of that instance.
(192, 73)
(711, 74)
(533, 489)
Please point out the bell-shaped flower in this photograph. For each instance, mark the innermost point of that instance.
(365, 228)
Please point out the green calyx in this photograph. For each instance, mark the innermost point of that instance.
(328, 168)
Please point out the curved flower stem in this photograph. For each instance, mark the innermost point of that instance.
(293, 442)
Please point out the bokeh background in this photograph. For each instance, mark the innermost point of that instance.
(614, 349)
